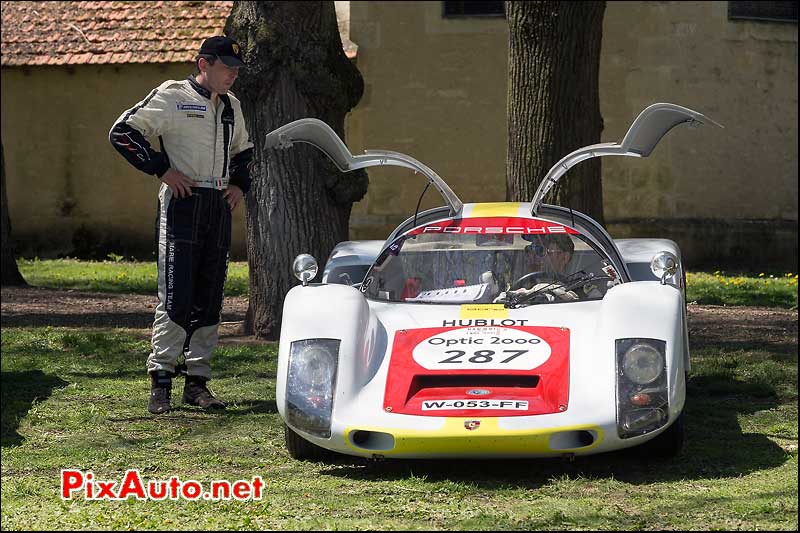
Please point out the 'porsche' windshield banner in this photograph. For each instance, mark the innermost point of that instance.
(495, 226)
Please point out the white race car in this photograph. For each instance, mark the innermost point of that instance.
(487, 329)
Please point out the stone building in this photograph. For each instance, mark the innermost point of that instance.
(436, 85)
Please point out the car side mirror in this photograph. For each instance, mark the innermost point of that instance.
(664, 265)
(305, 268)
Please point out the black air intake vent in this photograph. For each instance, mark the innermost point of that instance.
(477, 381)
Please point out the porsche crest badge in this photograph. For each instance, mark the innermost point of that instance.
(472, 424)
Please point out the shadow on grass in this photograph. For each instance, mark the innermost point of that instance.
(179, 410)
(80, 320)
(19, 392)
(715, 447)
(141, 373)
(240, 408)
(252, 407)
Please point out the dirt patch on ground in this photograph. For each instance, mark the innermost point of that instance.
(742, 327)
(36, 306)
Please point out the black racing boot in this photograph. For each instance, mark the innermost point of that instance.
(196, 393)
(160, 388)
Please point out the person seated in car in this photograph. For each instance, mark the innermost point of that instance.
(550, 254)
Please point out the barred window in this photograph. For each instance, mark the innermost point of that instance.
(473, 9)
(770, 11)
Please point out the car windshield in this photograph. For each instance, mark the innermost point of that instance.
(511, 262)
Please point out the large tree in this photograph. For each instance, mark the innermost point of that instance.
(299, 202)
(553, 99)
(10, 275)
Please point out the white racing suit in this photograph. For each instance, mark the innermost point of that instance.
(209, 144)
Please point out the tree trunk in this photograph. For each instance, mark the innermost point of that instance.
(10, 275)
(553, 100)
(299, 202)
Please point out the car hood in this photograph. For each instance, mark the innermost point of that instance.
(481, 360)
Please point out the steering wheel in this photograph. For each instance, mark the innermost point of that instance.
(531, 276)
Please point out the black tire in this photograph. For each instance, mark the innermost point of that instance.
(669, 443)
(302, 450)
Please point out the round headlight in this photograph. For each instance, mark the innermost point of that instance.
(305, 268)
(642, 364)
(314, 369)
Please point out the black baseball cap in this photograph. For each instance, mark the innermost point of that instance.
(226, 49)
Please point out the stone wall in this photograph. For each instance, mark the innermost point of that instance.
(436, 89)
(727, 196)
(69, 191)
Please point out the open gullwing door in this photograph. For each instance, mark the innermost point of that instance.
(642, 137)
(317, 133)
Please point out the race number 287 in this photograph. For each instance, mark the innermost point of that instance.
(482, 356)
(473, 349)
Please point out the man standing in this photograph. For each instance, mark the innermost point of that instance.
(204, 165)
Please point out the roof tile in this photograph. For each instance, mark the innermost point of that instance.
(58, 33)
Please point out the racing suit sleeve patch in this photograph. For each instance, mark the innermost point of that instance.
(149, 118)
(241, 151)
(137, 151)
(240, 169)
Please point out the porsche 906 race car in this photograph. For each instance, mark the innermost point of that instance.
(486, 329)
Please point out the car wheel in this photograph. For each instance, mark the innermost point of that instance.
(669, 443)
(302, 450)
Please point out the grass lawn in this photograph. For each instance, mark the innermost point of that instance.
(75, 398)
(718, 288)
(113, 276)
